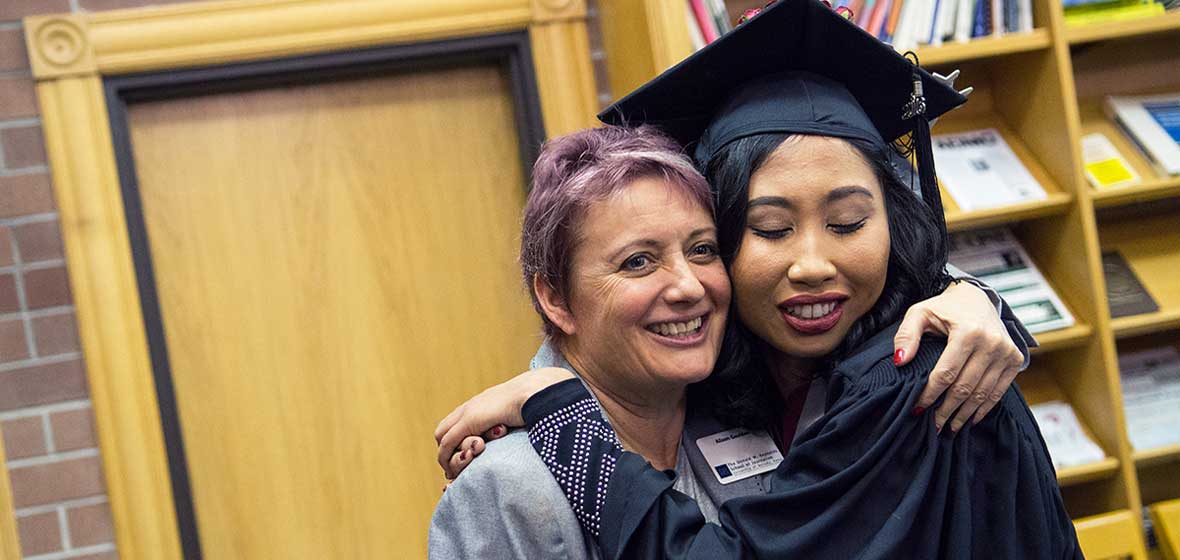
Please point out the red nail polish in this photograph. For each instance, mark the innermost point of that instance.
(898, 356)
(497, 431)
(917, 411)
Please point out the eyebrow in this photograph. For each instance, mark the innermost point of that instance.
(837, 193)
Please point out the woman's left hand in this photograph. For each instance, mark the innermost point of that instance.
(979, 363)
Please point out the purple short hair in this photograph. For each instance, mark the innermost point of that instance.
(575, 171)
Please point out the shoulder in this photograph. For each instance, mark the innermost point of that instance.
(872, 360)
(505, 503)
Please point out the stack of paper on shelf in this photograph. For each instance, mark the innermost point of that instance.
(996, 257)
(980, 170)
(1105, 167)
(1151, 396)
(707, 20)
(1068, 443)
(1152, 122)
(1124, 292)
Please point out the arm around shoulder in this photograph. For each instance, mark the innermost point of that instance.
(506, 505)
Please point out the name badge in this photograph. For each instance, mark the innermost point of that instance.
(738, 454)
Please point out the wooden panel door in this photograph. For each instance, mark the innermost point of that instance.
(336, 268)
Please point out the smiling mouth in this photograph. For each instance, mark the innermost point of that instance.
(811, 310)
(686, 329)
(813, 318)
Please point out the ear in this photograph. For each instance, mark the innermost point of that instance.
(554, 306)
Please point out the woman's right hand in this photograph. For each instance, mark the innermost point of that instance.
(459, 434)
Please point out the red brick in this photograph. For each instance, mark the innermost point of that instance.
(98, 5)
(8, 300)
(18, 97)
(40, 241)
(56, 334)
(56, 482)
(13, 343)
(43, 384)
(17, 9)
(23, 146)
(6, 246)
(90, 525)
(21, 195)
(39, 534)
(73, 429)
(13, 55)
(47, 287)
(24, 437)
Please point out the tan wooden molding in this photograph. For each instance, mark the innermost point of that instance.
(59, 46)
(71, 54)
(557, 10)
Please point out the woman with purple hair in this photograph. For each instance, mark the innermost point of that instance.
(620, 254)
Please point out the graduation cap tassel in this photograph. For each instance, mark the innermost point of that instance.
(922, 150)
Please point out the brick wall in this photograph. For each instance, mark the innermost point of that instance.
(45, 413)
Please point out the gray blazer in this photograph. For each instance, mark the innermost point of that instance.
(506, 504)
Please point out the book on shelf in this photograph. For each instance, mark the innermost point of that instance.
(1124, 292)
(996, 257)
(980, 170)
(703, 14)
(909, 24)
(1152, 123)
(1150, 380)
(1068, 443)
(1106, 11)
(1105, 167)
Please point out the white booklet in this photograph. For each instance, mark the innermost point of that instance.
(1152, 122)
(996, 257)
(1067, 442)
(980, 170)
(1151, 396)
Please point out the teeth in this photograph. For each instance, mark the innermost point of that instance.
(811, 311)
(676, 329)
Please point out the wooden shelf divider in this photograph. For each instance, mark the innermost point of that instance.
(1097, 470)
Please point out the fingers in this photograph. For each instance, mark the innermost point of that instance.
(447, 422)
(449, 444)
(497, 432)
(1014, 362)
(959, 390)
(946, 371)
(909, 333)
(979, 396)
(471, 448)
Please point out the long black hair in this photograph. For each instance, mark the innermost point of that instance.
(741, 391)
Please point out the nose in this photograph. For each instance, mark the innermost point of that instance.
(685, 287)
(811, 267)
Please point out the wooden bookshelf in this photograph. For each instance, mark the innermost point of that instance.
(1080, 34)
(1043, 91)
(1062, 339)
(1157, 456)
(948, 53)
(1154, 186)
(1151, 246)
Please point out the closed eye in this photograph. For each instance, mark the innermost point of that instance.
(845, 229)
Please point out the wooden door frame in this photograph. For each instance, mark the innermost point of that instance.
(87, 67)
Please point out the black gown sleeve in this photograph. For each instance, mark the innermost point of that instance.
(867, 480)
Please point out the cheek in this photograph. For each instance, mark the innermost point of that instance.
(867, 265)
(716, 282)
(618, 302)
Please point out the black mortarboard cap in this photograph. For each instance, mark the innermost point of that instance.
(763, 60)
(797, 67)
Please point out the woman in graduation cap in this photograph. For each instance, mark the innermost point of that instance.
(827, 247)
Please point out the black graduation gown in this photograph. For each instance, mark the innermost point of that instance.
(866, 480)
